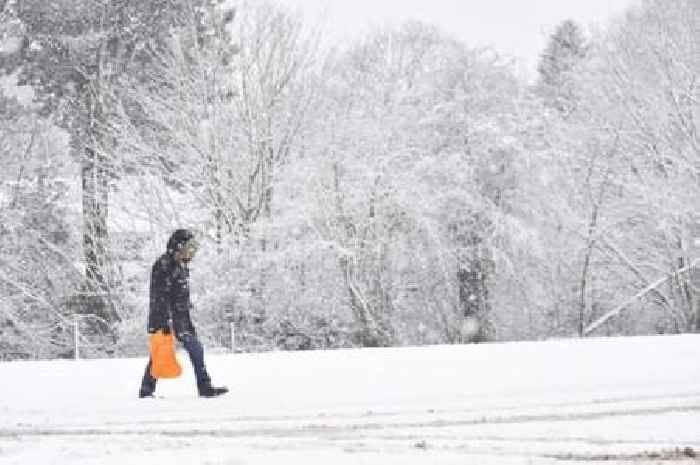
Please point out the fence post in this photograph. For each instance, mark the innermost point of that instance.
(233, 336)
(76, 336)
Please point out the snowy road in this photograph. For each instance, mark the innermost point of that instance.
(594, 401)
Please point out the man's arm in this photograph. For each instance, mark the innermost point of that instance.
(181, 303)
(160, 312)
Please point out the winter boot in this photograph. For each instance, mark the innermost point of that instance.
(211, 391)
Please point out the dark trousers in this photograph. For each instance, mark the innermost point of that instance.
(196, 352)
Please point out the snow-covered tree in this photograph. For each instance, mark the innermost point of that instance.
(38, 272)
(216, 121)
(71, 52)
(409, 120)
(625, 151)
(645, 91)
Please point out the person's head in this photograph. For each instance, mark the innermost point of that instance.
(182, 245)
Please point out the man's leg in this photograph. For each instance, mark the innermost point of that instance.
(148, 383)
(196, 352)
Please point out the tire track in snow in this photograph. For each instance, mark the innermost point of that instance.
(482, 411)
(305, 429)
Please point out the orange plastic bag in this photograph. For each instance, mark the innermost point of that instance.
(164, 364)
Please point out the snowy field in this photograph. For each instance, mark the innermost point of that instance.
(634, 400)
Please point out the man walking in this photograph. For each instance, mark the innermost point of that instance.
(170, 309)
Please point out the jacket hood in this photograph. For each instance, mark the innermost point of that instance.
(178, 239)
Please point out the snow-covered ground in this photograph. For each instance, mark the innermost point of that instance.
(593, 401)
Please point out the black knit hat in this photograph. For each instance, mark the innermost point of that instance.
(178, 239)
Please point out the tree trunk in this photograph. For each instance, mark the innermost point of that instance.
(684, 286)
(373, 330)
(583, 304)
(472, 278)
(95, 199)
(697, 315)
(96, 238)
(473, 301)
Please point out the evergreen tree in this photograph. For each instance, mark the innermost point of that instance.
(566, 48)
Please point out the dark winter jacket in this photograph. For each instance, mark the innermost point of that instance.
(170, 291)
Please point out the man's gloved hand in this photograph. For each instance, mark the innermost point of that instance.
(184, 329)
(184, 336)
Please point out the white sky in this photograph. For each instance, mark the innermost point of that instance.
(517, 28)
